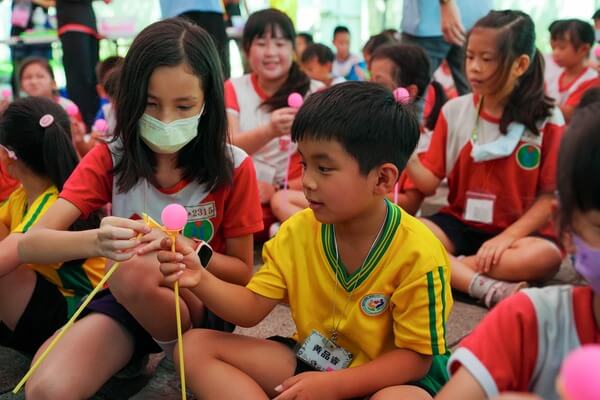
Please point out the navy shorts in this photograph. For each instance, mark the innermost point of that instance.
(466, 239)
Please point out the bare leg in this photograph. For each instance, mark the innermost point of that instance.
(16, 289)
(222, 365)
(94, 349)
(403, 392)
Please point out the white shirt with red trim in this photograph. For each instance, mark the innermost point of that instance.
(243, 98)
(561, 92)
(213, 215)
(515, 181)
(520, 345)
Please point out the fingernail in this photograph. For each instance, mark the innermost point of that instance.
(178, 257)
(179, 273)
(181, 266)
(279, 388)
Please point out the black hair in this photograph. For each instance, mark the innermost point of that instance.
(578, 172)
(111, 82)
(590, 96)
(169, 43)
(596, 15)
(577, 31)
(378, 40)
(322, 53)
(528, 102)
(270, 21)
(365, 119)
(105, 66)
(412, 68)
(308, 38)
(46, 151)
(42, 62)
(340, 29)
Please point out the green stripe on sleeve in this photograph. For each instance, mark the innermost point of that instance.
(37, 212)
(432, 315)
(443, 283)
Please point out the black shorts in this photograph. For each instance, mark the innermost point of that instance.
(45, 313)
(466, 239)
(105, 303)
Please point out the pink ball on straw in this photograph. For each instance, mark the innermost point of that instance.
(6, 93)
(100, 126)
(72, 110)
(402, 95)
(174, 217)
(580, 373)
(295, 100)
(597, 52)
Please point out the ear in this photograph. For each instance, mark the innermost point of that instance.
(413, 90)
(521, 65)
(386, 177)
(584, 49)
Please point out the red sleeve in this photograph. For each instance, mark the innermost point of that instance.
(243, 213)
(90, 186)
(576, 96)
(295, 167)
(501, 352)
(7, 184)
(231, 102)
(548, 163)
(435, 157)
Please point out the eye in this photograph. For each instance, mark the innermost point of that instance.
(184, 108)
(325, 170)
(150, 104)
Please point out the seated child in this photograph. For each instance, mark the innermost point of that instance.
(367, 284)
(522, 343)
(107, 72)
(316, 61)
(344, 59)
(303, 40)
(360, 70)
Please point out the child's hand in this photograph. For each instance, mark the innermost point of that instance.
(307, 386)
(117, 237)
(265, 191)
(490, 252)
(281, 121)
(181, 266)
(151, 241)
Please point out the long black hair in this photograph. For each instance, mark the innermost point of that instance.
(274, 21)
(170, 43)
(528, 102)
(46, 151)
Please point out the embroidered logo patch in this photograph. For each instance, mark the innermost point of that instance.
(528, 156)
(202, 230)
(374, 304)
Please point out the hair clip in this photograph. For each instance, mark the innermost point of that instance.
(401, 95)
(11, 154)
(46, 120)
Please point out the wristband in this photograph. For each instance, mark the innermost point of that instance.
(204, 252)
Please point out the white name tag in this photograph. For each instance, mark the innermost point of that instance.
(322, 354)
(480, 207)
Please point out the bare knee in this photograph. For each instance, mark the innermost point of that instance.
(49, 388)
(134, 280)
(401, 392)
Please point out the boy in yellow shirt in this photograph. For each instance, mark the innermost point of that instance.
(367, 284)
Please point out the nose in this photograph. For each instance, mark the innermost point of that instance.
(308, 183)
(270, 48)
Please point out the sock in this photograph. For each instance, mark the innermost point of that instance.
(479, 286)
(168, 347)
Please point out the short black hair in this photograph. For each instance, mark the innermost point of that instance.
(579, 32)
(308, 38)
(110, 83)
(340, 29)
(578, 172)
(42, 62)
(596, 15)
(322, 53)
(105, 66)
(378, 40)
(365, 119)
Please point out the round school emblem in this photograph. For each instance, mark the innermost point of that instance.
(374, 304)
(529, 156)
(201, 230)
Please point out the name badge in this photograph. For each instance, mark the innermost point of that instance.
(322, 354)
(480, 207)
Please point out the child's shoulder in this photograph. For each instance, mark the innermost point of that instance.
(238, 155)
(460, 105)
(415, 236)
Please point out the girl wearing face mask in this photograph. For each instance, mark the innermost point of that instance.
(522, 343)
(498, 148)
(257, 108)
(170, 147)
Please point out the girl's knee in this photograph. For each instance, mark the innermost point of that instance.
(401, 392)
(50, 388)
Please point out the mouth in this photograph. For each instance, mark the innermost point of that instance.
(314, 205)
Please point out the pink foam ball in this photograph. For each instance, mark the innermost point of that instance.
(295, 100)
(580, 373)
(100, 125)
(174, 217)
(72, 110)
(597, 52)
(6, 93)
(402, 95)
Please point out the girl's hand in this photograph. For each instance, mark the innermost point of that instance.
(77, 131)
(265, 191)
(117, 237)
(281, 121)
(181, 266)
(307, 386)
(151, 241)
(490, 252)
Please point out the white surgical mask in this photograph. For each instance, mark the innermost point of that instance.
(168, 138)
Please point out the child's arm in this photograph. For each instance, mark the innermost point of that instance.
(254, 139)
(567, 111)
(394, 368)
(462, 386)
(4, 231)
(534, 219)
(231, 302)
(236, 265)
(424, 180)
(9, 257)
(49, 241)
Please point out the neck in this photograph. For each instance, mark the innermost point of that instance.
(575, 70)
(340, 58)
(270, 87)
(365, 227)
(494, 104)
(167, 172)
(34, 186)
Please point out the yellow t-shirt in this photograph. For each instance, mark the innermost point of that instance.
(75, 279)
(400, 297)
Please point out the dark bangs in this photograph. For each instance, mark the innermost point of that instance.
(269, 21)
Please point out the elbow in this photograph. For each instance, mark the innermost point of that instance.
(22, 248)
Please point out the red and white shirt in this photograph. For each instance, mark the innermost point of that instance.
(515, 181)
(563, 94)
(243, 97)
(520, 345)
(213, 215)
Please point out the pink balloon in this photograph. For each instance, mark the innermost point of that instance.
(6, 93)
(295, 100)
(72, 110)
(100, 125)
(580, 373)
(597, 52)
(174, 217)
(402, 95)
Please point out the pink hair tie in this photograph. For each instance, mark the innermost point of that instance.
(401, 95)
(11, 154)
(46, 120)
